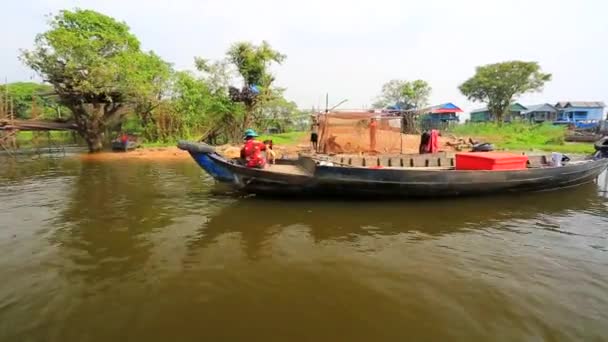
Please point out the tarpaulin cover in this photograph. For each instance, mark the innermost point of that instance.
(359, 132)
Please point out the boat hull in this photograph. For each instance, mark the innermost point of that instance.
(318, 180)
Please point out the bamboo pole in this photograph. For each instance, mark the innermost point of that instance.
(6, 96)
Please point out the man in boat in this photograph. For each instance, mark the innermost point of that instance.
(124, 140)
(314, 133)
(373, 127)
(429, 142)
(252, 150)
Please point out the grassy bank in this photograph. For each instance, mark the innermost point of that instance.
(523, 137)
(291, 138)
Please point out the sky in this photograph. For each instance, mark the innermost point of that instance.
(348, 49)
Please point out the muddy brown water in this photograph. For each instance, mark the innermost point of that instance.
(142, 251)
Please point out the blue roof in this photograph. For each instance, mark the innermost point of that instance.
(449, 105)
(443, 107)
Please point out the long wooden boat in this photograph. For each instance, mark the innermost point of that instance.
(391, 176)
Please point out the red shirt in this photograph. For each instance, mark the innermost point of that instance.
(252, 152)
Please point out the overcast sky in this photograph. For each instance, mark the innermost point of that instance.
(350, 48)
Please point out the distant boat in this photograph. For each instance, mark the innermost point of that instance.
(393, 176)
(118, 145)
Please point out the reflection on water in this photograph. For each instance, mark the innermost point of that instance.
(98, 251)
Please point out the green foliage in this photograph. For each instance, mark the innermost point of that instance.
(276, 112)
(252, 62)
(236, 109)
(522, 136)
(84, 52)
(406, 94)
(96, 67)
(31, 96)
(216, 73)
(290, 138)
(500, 83)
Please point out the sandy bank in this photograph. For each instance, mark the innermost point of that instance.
(160, 154)
(155, 154)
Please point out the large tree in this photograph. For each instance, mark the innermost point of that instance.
(96, 67)
(499, 84)
(252, 63)
(405, 94)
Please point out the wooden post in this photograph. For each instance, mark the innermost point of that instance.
(6, 96)
(401, 137)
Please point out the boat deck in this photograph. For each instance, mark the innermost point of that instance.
(288, 169)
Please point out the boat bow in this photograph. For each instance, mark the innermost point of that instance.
(206, 157)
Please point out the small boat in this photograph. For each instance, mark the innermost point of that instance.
(118, 145)
(429, 175)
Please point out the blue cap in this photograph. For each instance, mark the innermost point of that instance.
(250, 133)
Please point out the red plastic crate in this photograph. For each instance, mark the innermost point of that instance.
(490, 161)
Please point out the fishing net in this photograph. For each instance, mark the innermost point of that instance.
(359, 132)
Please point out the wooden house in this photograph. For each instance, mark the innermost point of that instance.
(484, 115)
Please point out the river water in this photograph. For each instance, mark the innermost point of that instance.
(144, 251)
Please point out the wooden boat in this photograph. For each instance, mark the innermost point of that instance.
(391, 176)
(118, 145)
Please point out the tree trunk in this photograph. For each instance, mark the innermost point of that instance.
(94, 141)
(247, 117)
(90, 125)
(498, 119)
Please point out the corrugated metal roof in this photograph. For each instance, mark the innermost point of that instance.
(543, 107)
(485, 109)
(591, 104)
(479, 110)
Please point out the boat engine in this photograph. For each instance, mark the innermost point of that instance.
(482, 147)
(601, 148)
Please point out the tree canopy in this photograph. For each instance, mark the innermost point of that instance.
(252, 62)
(96, 67)
(405, 94)
(499, 84)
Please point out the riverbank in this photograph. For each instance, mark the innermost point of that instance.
(286, 144)
(523, 137)
(513, 137)
(169, 153)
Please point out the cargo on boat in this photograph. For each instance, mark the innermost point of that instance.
(428, 175)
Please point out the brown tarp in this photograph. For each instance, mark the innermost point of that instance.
(353, 132)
